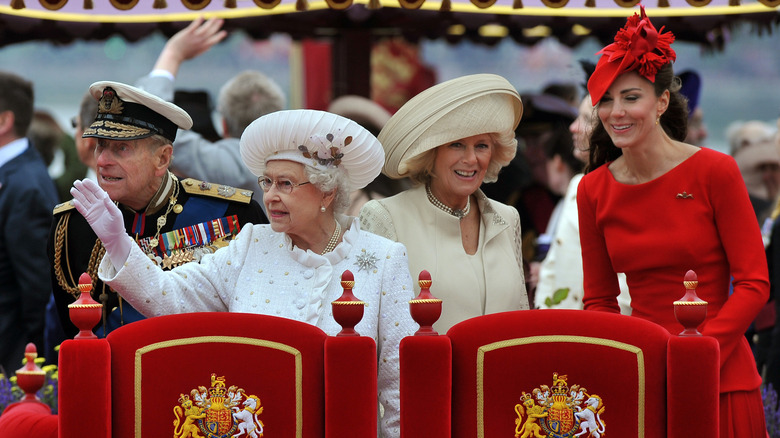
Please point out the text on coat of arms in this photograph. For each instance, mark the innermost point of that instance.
(217, 412)
(559, 411)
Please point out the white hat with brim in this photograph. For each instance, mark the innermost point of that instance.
(750, 158)
(314, 138)
(455, 109)
(360, 109)
(129, 113)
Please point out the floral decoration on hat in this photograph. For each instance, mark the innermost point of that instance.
(318, 139)
(638, 46)
(324, 151)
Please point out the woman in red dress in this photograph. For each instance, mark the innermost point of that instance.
(654, 207)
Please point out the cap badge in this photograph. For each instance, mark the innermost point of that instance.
(110, 103)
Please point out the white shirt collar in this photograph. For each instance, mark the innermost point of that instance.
(13, 150)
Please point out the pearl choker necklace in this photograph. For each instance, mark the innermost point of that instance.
(458, 213)
(334, 239)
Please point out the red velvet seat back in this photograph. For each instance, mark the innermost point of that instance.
(620, 359)
(159, 365)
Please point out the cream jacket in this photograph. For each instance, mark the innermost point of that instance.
(433, 240)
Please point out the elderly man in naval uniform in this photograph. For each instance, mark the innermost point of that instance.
(173, 221)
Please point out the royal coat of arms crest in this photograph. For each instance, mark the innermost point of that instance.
(217, 412)
(559, 411)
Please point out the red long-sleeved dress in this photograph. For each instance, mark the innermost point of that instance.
(696, 216)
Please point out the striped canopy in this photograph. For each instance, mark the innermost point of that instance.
(484, 21)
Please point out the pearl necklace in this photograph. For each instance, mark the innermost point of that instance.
(334, 239)
(458, 213)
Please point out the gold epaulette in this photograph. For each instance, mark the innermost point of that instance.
(196, 187)
(65, 206)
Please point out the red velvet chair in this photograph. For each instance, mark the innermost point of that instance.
(558, 373)
(218, 375)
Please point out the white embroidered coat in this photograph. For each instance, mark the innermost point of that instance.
(262, 272)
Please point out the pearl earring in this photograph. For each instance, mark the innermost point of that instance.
(322, 209)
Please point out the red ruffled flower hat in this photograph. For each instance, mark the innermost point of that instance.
(638, 46)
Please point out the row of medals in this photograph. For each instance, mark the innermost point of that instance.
(181, 256)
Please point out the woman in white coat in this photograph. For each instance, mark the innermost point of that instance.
(307, 162)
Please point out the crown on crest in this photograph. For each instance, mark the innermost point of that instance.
(559, 386)
(524, 397)
(217, 389)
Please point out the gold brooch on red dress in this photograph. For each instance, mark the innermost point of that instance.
(684, 195)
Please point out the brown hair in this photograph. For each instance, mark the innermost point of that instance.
(674, 120)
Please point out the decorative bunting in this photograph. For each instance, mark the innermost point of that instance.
(53, 5)
(195, 5)
(267, 4)
(124, 5)
(339, 4)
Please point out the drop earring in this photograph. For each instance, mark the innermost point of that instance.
(322, 209)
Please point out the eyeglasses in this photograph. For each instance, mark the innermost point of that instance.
(283, 185)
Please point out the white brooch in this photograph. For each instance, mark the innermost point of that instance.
(366, 261)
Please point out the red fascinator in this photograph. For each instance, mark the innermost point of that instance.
(638, 46)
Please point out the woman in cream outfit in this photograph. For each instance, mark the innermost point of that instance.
(307, 162)
(448, 140)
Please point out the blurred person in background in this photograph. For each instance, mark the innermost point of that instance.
(85, 146)
(545, 131)
(373, 117)
(241, 100)
(58, 150)
(691, 89)
(27, 195)
(752, 144)
(560, 273)
(772, 368)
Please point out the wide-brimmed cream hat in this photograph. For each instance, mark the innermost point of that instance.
(129, 113)
(315, 138)
(455, 109)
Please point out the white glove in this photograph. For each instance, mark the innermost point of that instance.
(105, 219)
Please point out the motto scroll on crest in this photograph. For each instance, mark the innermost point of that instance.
(218, 412)
(559, 411)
